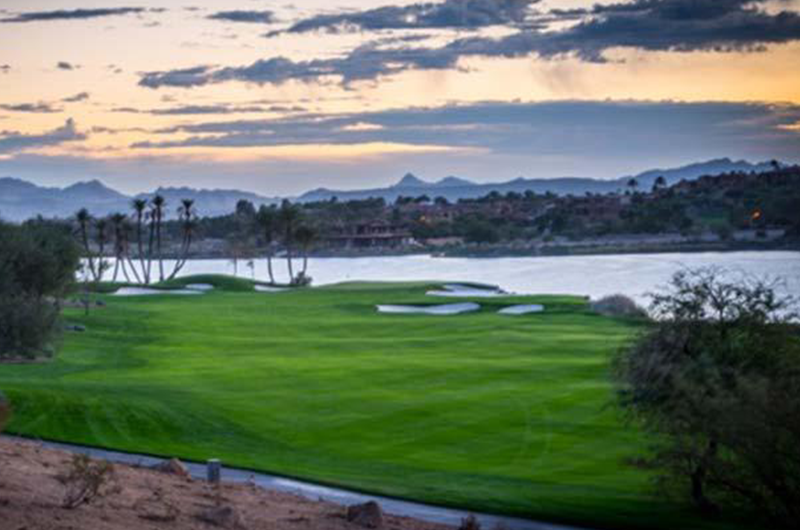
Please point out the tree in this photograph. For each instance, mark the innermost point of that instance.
(715, 382)
(267, 221)
(305, 237)
(289, 216)
(101, 238)
(120, 245)
(633, 185)
(157, 206)
(37, 269)
(659, 184)
(84, 220)
(188, 220)
(139, 207)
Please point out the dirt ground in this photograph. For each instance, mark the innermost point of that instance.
(37, 483)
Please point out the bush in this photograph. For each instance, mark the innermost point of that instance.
(28, 327)
(715, 382)
(37, 268)
(618, 305)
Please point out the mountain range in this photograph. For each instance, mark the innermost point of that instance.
(20, 200)
(454, 188)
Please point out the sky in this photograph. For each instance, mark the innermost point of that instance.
(279, 98)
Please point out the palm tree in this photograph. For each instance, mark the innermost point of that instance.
(289, 216)
(305, 237)
(84, 219)
(187, 215)
(101, 228)
(139, 206)
(267, 222)
(157, 212)
(659, 184)
(117, 220)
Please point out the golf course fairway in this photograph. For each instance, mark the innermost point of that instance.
(488, 412)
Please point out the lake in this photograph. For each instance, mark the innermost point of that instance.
(632, 274)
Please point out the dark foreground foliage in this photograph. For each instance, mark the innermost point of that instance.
(716, 382)
(37, 268)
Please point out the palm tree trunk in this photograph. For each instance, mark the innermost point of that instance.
(116, 268)
(269, 269)
(140, 244)
(305, 261)
(132, 265)
(150, 251)
(187, 243)
(289, 264)
(160, 257)
(124, 269)
(85, 237)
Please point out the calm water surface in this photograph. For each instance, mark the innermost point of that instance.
(634, 274)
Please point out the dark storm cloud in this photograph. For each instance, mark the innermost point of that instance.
(13, 141)
(257, 17)
(38, 108)
(74, 14)
(656, 25)
(569, 128)
(463, 14)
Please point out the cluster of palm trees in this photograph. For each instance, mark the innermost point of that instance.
(285, 225)
(142, 231)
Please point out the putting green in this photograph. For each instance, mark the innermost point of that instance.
(489, 412)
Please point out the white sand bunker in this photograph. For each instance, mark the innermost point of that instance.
(145, 291)
(521, 309)
(269, 289)
(458, 290)
(200, 286)
(446, 309)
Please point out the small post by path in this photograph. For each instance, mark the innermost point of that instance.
(213, 470)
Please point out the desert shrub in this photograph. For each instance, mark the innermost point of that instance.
(618, 305)
(28, 327)
(37, 268)
(715, 383)
(85, 480)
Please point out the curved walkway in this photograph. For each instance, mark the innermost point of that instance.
(312, 491)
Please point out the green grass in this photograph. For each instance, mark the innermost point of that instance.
(482, 411)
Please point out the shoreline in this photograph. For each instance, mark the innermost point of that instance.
(505, 252)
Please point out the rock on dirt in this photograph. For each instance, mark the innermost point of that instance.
(173, 467)
(368, 514)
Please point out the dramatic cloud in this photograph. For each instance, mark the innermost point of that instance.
(64, 65)
(259, 17)
(463, 14)
(42, 108)
(557, 129)
(75, 14)
(83, 96)
(656, 25)
(13, 141)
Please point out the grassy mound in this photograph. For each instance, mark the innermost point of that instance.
(482, 411)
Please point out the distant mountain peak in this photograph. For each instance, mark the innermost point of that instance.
(451, 182)
(411, 181)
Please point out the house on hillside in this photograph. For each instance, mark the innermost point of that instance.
(372, 235)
